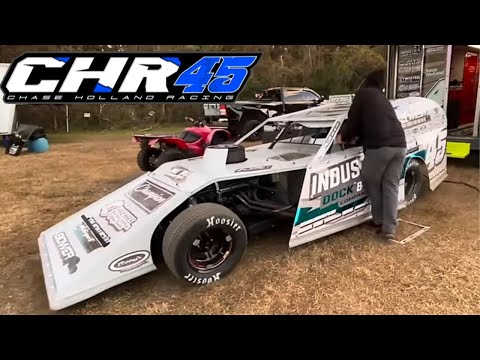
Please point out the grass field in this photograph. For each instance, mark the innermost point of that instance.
(348, 273)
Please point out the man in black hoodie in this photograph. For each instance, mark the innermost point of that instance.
(372, 121)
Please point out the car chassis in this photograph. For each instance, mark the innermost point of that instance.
(196, 215)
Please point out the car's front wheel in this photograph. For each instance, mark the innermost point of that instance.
(204, 243)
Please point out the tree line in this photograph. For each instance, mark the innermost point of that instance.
(328, 69)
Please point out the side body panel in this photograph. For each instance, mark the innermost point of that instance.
(333, 196)
(107, 242)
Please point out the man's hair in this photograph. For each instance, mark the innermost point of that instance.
(375, 79)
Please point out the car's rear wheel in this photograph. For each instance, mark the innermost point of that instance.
(204, 243)
(414, 181)
(147, 157)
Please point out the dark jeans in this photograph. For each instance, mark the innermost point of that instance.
(381, 171)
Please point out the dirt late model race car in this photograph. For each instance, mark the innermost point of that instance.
(196, 214)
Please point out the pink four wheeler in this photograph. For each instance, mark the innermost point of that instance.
(156, 150)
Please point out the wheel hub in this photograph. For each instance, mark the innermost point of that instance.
(209, 250)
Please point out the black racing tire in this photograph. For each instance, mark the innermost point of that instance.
(250, 125)
(414, 181)
(193, 231)
(147, 157)
(169, 155)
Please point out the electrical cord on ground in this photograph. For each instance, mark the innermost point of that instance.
(462, 183)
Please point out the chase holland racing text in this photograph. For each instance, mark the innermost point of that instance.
(36, 98)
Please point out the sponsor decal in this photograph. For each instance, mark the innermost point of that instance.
(86, 238)
(123, 77)
(129, 261)
(334, 177)
(334, 192)
(178, 173)
(149, 196)
(213, 220)
(341, 99)
(91, 235)
(118, 216)
(311, 220)
(66, 252)
(409, 78)
(257, 168)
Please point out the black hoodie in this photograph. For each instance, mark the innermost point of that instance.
(371, 117)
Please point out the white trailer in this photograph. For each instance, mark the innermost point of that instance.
(447, 74)
(7, 111)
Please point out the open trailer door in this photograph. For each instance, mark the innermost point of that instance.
(419, 70)
(448, 75)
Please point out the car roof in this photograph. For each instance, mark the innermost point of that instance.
(326, 114)
(318, 116)
(289, 88)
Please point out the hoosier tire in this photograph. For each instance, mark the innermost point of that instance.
(414, 181)
(204, 243)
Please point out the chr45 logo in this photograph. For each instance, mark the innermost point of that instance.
(127, 77)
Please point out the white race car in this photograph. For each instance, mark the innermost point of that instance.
(197, 214)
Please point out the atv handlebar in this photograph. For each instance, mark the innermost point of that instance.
(195, 122)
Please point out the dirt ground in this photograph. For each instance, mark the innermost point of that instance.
(348, 273)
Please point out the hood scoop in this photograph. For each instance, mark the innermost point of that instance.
(224, 154)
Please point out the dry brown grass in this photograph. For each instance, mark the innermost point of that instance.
(349, 273)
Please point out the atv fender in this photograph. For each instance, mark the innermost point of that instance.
(151, 141)
(176, 142)
(106, 243)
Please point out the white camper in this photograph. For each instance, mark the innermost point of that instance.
(7, 111)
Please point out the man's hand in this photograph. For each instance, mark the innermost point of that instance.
(338, 139)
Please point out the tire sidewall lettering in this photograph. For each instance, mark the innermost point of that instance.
(202, 280)
(215, 221)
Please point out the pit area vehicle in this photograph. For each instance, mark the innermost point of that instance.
(156, 150)
(7, 112)
(196, 215)
(243, 116)
(449, 75)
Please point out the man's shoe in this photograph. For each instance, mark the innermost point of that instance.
(387, 236)
(377, 227)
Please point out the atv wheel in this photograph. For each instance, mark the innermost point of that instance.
(169, 155)
(414, 181)
(204, 243)
(249, 126)
(146, 158)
